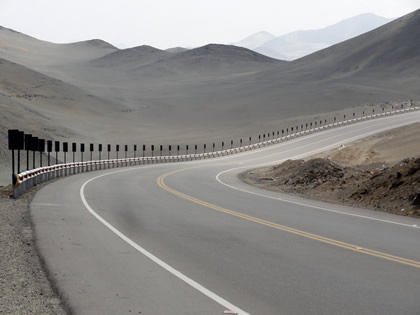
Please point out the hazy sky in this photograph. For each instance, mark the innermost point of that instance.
(188, 23)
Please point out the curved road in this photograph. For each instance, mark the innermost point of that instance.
(190, 238)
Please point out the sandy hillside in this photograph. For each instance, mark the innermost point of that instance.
(388, 147)
(381, 172)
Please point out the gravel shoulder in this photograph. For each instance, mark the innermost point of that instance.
(24, 283)
(380, 172)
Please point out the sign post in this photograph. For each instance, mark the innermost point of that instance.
(73, 149)
(28, 147)
(82, 150)
(65, 150)
(57, 149)
(41, 149)
(100, 151)
(14, 139)
(49, 150)
(92, 147)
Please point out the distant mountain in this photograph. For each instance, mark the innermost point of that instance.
(227, 52)
(269, 52)
(214, 59)
(378, 66)
(301, 43)
(255, 40)
(133, 57)
(94, 43)
(177, 49)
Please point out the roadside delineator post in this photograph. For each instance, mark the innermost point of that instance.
(82, 150)
(126, 150)
(100, 151)
(28, 147)
(41, 149)
(49, 150)
(57, 149)
(91, 149)
(100, 155)
(14, 144)
(65, 150)
(73, 150)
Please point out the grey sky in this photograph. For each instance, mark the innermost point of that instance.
(169, 23)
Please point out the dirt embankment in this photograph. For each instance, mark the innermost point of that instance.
(393, 189)
(363, 174)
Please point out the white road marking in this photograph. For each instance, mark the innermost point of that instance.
(152, 257)
(302, 203)
(175, 272)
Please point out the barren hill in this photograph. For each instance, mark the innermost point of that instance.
(209, 93)
(94, 43)
(213, 59)
(381, 65)
(233, 86)
(176, 50)
(40, 55)
(132, 57)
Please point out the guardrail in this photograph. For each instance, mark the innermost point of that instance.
(23, 181)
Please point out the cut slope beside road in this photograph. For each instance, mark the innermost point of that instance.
(381, 172)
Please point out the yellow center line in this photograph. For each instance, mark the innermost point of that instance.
(161, 183)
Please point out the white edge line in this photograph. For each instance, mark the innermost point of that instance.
(301, 203)
(155, 259)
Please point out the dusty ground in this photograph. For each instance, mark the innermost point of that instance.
(24, 286)
(381, 172)
(388, 147)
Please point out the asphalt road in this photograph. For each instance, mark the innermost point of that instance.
(190, 238)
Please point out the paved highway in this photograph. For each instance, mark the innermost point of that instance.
(190, 238)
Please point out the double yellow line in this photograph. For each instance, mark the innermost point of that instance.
(161, 183)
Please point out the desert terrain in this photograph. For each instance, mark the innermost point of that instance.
(94, 92)
(380, 172)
